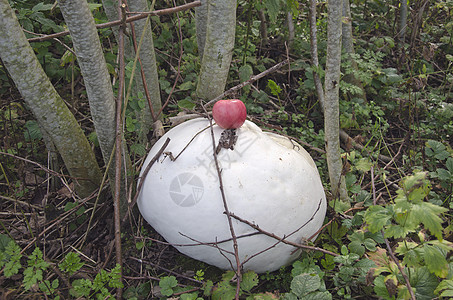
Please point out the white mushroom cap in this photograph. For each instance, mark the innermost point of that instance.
(267, 179)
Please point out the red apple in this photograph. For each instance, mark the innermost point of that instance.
(229, 114)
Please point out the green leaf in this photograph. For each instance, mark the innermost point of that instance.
(41, 7)
(273, 8)
(71, 263)
(318, 296)
(167, 284)
(245, 72)
(427, 213)
(13, 256)
(449, 164)
(423, 282)
(446, 287)
(356, 247)
(186, 104)
(377, 217)
(224, 291)
(364, 165)
(305, 283)
(4, 241)
(275, 89)
(249, 280)
(435, 261)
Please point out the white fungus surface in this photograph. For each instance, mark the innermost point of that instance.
(267, 179)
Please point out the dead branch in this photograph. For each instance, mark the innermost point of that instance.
(245, 83)
(227, 211)
(141, 15)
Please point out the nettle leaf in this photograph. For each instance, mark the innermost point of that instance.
(305, 283)
(427, 213)
(377, 217)
(436, 261)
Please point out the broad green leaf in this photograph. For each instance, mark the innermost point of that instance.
(377, 217)
(423, 282)
(224, 291)
(273, 8)
(249, 280)
(186, 104)
(443, 174)
(446, 287)
(427, 213)
(449, 164)
(41, 7)
(435, 261)
(364, 165)
(305, 283)
(318, 296)
(167, 284)
(369, 244)
(397, 231)
(245, 72)
(356, 247)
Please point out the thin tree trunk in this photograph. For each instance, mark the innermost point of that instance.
(147, 63)
(291, 33)
(93, 67)
(201, 20)
(45, 103)
(314, 53)
(402, 24)
(218, 47)
(348, 47)
(147, 58)
(331, 97)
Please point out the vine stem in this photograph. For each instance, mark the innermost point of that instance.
(387, 244)
(227, 211)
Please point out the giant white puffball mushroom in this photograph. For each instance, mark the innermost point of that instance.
(268, 180)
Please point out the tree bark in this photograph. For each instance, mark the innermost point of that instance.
(218, 46)
(314, 53)
(201, 19)
(402, 24)
(148, 60)
(93, 67)
(331, 97)
(348, 47)
(45, 103)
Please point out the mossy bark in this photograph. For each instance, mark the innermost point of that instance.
(218, 46)
(45, 103)
(90, 58)
(331, 98)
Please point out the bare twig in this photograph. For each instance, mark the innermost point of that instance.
(245, 83)
(283, 240)
(118, 141)
(389, 249)
(140, 16)
(227, 211)
(145, 172)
